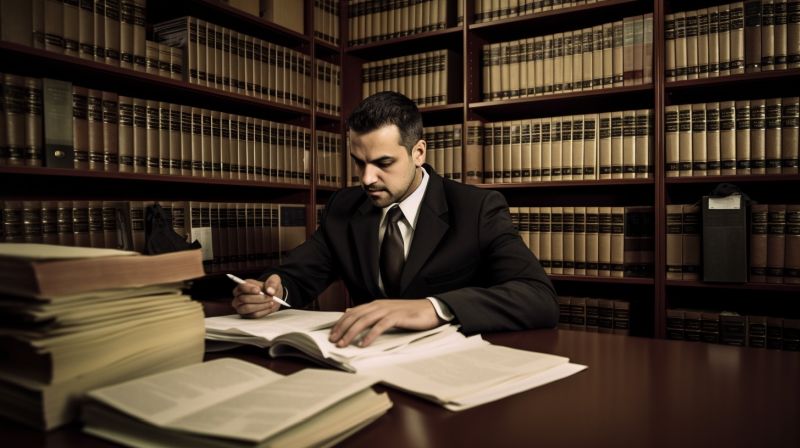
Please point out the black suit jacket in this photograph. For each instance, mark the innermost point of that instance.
(465, 252)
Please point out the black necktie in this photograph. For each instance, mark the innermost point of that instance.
(392, 253)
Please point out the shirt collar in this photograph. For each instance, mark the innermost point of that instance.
(410, 205)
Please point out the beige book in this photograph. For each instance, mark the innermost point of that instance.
(567, 68)
(615, 158)
(497, 152)
(617, 241)
(674, 241)
(752, 34)
(618, 53)
(776, 242)
(579, 244)
(186, 140)
(53, 26)
(139, 29)
(685, 140)
(547, 155)
(95, 114)
(112, 32)
(174, 139)
(139, 135)
(525, 225)
(545, 240)
(793, 34)
(605, 146)
(496, 75)
(86, 30)
(791, 269)
(577, 60)
(758, 136)
(681, 60)
(608, 55)
(557, 240)
(558, 62)
(514, 67)
(555, 149)
(669, 47)
(539, 57)
(126, 19)
(577, 148)
(516, 151)
(699, 150)
(647, 49)
(534, 214)
(529, 59)
(692, 49)
(549, 59)
(526, 148)
(163, 138)
(790, 123)
(727, 137)
(151, 57)
(197, 142)
(638, 50)
(768, 35)
(207, 148)
(441, 156)
(692, 230)
(568, 252)
(671, 141)
(587, 37)
(713, 41)
(724, 39)
(758, 242)
(628, 51)
(566, 148)
(772, 137)
(702, 42)
(743, 166)
(592, 240)
(597, 57)
(590, 146)
(536, 150)
(473, 153)
(737, 38)
(126, 131)
(644, 144)
(604, 242)
(80, 126)
(628, 152)
(712, 139)
(153, 142)
(487, 132)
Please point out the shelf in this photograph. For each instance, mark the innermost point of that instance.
(219, 13)
(414, 43)
(613, 280)
(35, 62)
(326, 50)
(56, 183)
(594, 101)
(740, 86)
(446, 114)
(570, 183)
(751, 178)
(779, 287)
(575, 17)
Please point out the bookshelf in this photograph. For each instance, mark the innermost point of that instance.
(650, 297)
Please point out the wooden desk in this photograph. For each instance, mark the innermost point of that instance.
(636, 392)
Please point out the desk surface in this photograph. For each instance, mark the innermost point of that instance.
(636, 392)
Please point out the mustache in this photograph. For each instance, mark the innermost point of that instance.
(372, 188)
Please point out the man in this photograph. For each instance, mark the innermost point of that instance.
(447, 252)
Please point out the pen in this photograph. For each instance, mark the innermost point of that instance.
(242, 282)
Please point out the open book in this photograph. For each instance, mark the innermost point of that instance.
(440, 365)
(232, 403)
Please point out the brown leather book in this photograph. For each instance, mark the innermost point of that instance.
(58, 139)
(604, 242)
(592, 314)
(95, 114)
(110, 132)
(791, 270)
(152, 138)
(97, 237)
(743, 137)
(545, 253)
(692, 322)
(757, 331)
(126, 130)
(564, 312)
(139, 135)
(690, 266)
(776, 242)
(772, 137)
(80, 223)
(780, 33)
(757, 136)
(674, 239)
(64, 223)
(31, 221)
(49, 211)
(752, 35)
(793, 34)
(622, 317)
(605, 316)
(577, 318)
(80, 127)
(727, 137)
(617, 241)
(557, 240)
(758, 243)
(639, 242)
(790, 134)
(671, 141)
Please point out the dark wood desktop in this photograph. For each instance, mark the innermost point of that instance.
(636, 392)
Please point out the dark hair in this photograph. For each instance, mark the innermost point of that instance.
(387, 108)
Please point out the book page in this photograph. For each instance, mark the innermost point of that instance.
(271, 326)
(26, 251)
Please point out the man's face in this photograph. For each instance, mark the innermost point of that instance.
(388, 172)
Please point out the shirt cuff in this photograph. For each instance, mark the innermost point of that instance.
(442, 310)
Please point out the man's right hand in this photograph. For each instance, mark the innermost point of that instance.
(249, 303)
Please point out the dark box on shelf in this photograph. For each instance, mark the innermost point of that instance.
(724, 239)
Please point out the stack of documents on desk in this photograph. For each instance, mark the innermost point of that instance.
(60, 335)
(232, 403)
(441, 365)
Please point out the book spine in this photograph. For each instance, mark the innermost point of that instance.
(139, 135)
(776, 242)
(699, 149)
(685, 139)
(727, 137)
(758, 243)
(690, 264)
(767, 35)
(674, 246)
(772, 137)
(110, 132)
(791, 270)
(702, 43)
(126, 131)
(790, 125)
(628, 145)
(752, 35)
(743, 137)
(757, 136)
(793, 34)
(95, 114)
(737, 38)
(712, 139)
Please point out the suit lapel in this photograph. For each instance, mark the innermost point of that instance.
(432, 225)
(364, 228)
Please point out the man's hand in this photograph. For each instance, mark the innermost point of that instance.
(248, 301)
(381, 315)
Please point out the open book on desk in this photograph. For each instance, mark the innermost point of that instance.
(440, 365)
(233, 403)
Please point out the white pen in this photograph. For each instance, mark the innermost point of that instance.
(242, 282)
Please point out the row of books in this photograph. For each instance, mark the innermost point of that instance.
(374, 20)
(328, 88)
(104, 131)
(329, 159)
(600, 57)
(224, 59)
(233, 235)
(610, 145)
(429, 79)
(326, 21)
(733, 38)
(589, 241)
(443, 151)
(75, 319)
(775, 333)
(489, 10)
(594, 315)
(742, 137)
(774, 255)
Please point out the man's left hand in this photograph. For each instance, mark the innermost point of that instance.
(381, 315)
